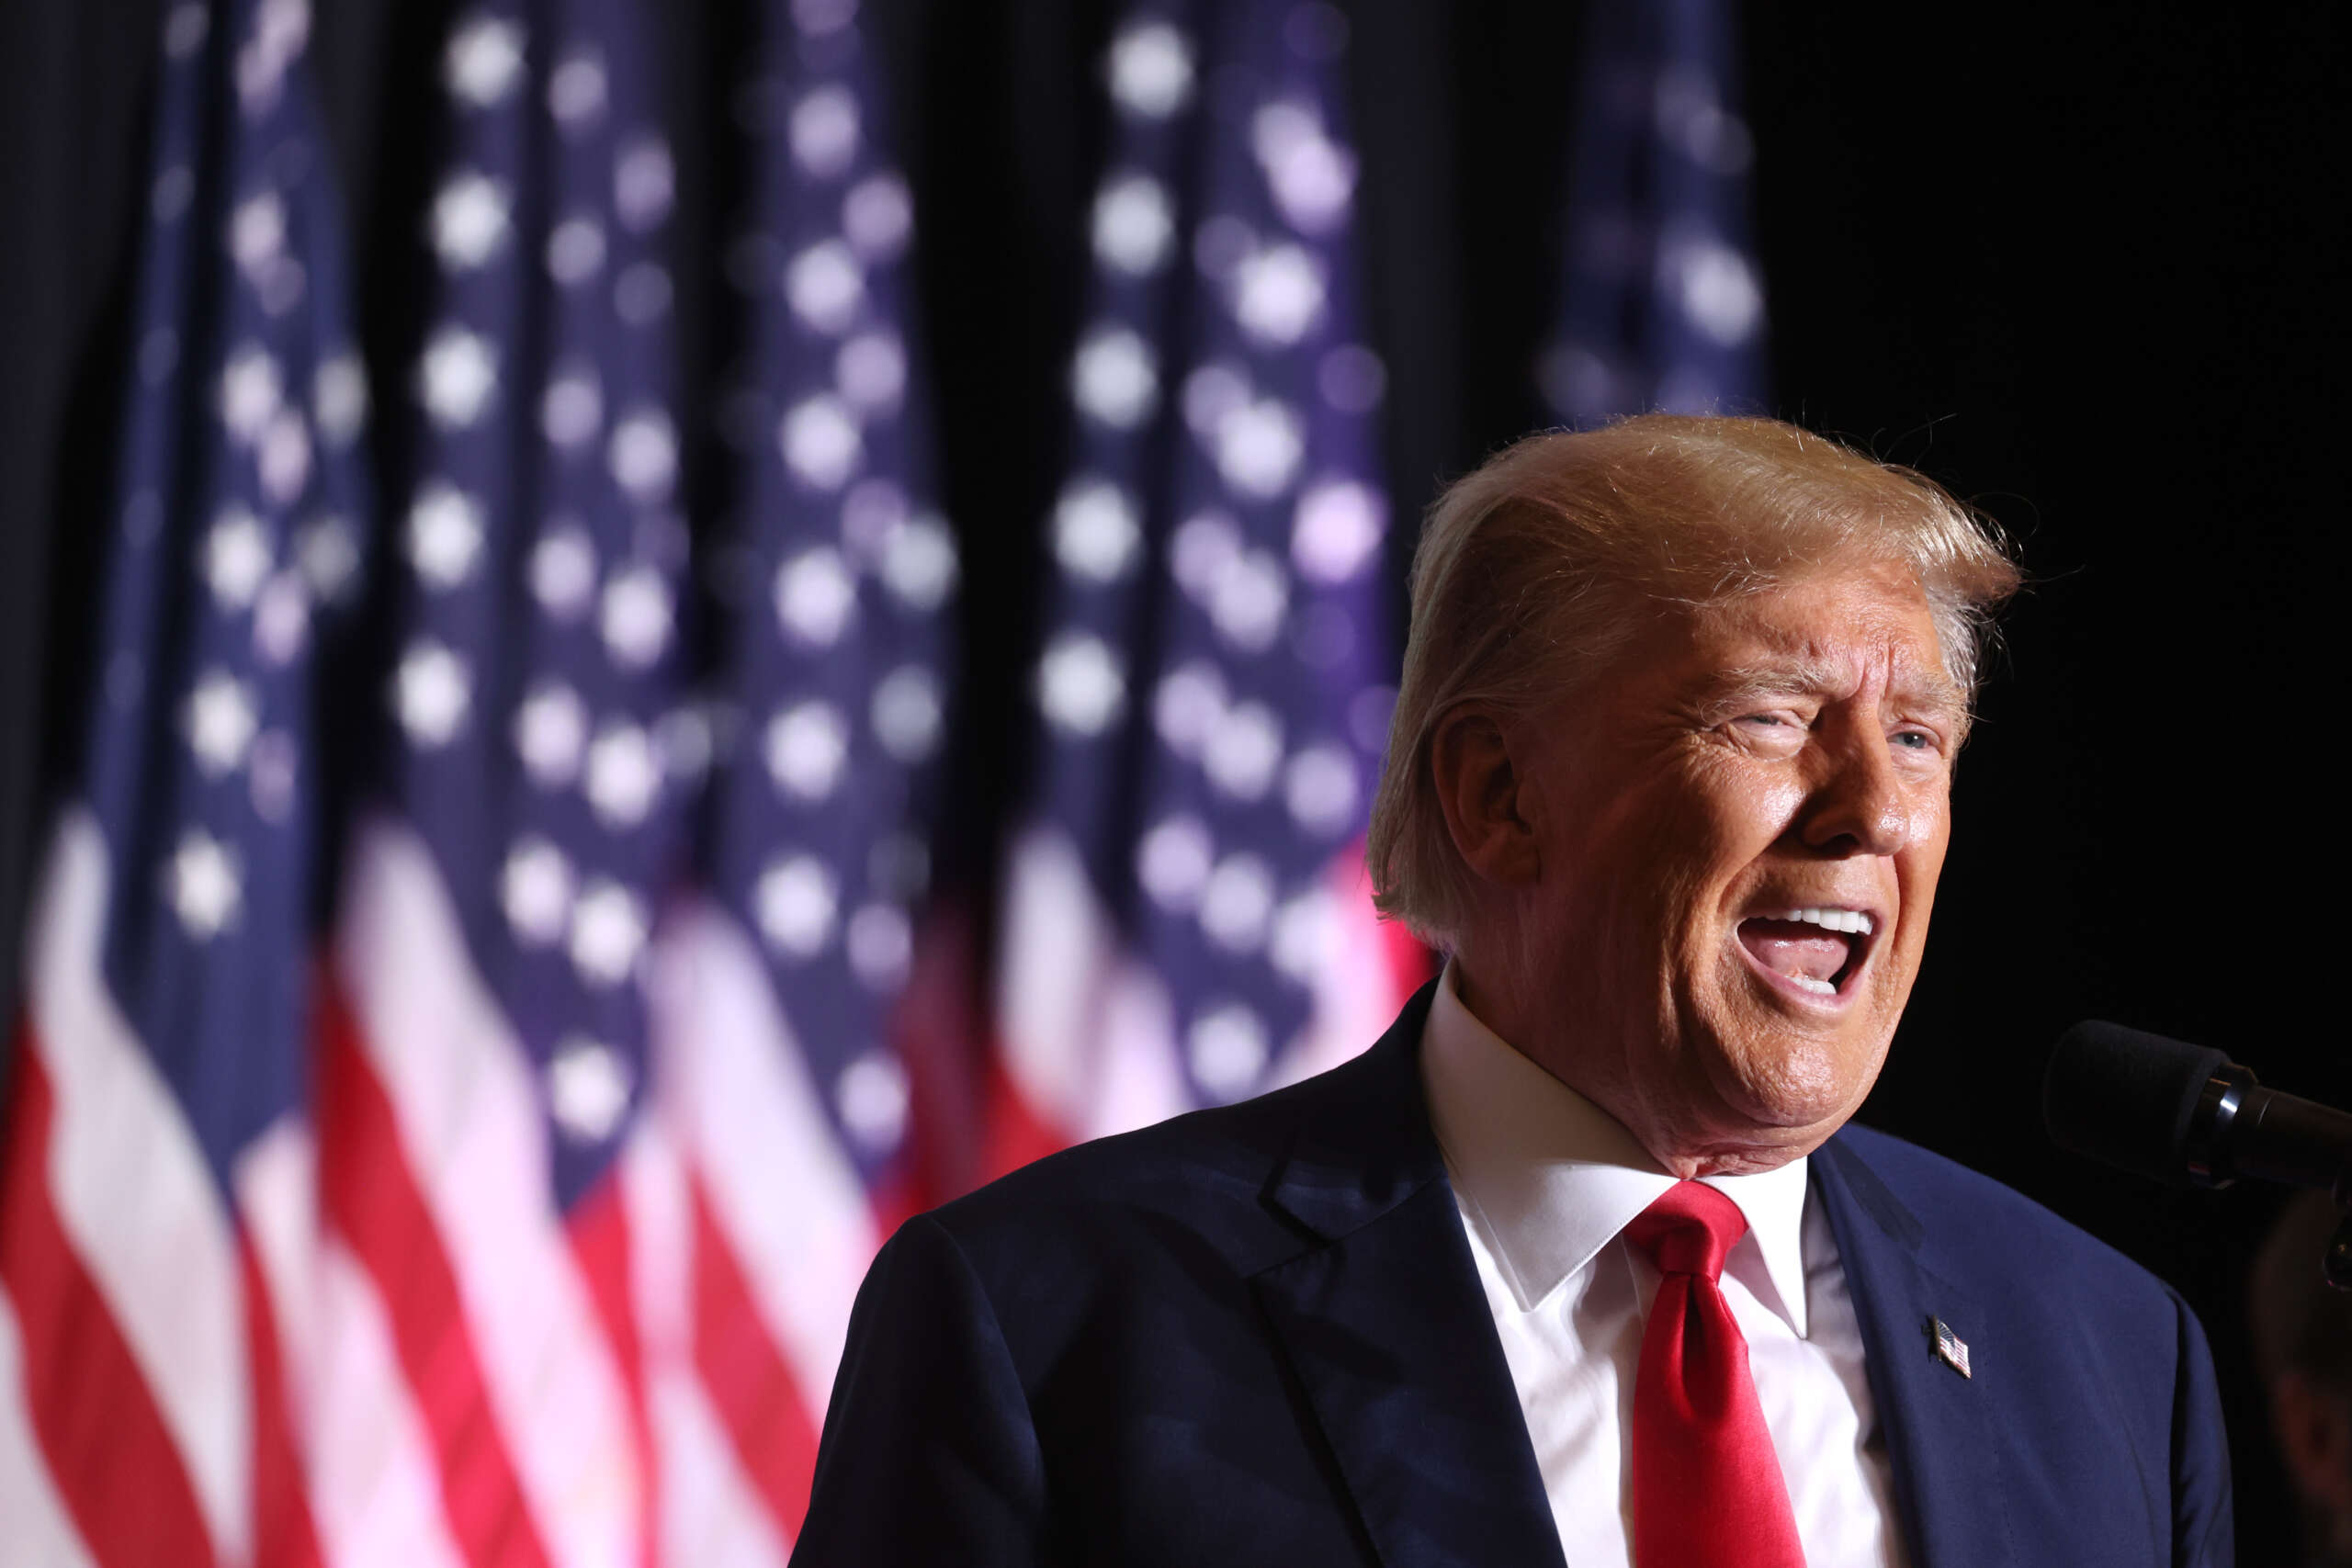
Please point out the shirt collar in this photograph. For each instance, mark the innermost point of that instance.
(1553, 1179)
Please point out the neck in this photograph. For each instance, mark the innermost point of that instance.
(1671, 1127)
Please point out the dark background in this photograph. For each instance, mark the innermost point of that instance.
(2079, 261)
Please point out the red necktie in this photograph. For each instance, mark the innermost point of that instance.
(1706, 1485)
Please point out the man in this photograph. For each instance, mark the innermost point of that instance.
(2301, 1328)
(1580, 1263)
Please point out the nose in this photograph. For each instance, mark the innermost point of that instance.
(1860, 805)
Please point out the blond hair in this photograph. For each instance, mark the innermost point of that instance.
(1534, 569)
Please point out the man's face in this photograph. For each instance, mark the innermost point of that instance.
(1738, 830)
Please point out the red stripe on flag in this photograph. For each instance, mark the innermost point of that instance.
(1012, 1132)
(935, 1025)
(746, 1377)
(598, 1229)
(1407, 961)
(1410, 965)
(284, 1536)
(895, 1200)
(372, 1199)
(113, 1461)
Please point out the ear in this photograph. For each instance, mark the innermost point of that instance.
(1480, 783)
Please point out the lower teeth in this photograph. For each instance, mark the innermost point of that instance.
(1818, 988)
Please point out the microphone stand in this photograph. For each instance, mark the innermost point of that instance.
(2300, 1141)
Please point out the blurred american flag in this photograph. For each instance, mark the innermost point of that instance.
(528, 1235)
(159, 1238)
(788, 1095)
(479, 1169)
(1661, 302)
(1187, 919)
(485, 1069)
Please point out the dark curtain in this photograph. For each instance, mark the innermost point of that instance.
(2076, 261)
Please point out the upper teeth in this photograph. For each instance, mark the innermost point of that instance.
(1833, 919)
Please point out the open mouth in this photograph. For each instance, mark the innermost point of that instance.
(1814, 953)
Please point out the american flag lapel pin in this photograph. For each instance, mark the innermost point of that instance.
(1950, 1348)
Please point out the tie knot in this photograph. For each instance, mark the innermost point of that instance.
(1690, 1230)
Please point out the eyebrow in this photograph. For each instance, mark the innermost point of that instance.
(1811, 677)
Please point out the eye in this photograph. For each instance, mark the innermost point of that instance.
(1773, 732)
(1916, 740)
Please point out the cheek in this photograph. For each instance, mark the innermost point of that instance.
(1697, 846)
(1651, 876)
(1918, 869)
(1734, 822)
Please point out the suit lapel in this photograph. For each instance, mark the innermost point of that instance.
(1939, 1429)
(1388, 1332)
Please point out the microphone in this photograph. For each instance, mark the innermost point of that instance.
(2187, 1115)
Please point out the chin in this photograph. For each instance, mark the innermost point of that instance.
(1787, 1081)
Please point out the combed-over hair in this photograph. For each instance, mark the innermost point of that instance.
(1533, 570)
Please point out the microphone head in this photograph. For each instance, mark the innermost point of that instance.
(2126, 1098)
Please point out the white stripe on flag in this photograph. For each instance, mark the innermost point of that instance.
(711, 1516)
(1089, 1035)
(375, 1485)
(709, 1513)
(476, 1143)
(135, 1195)
(39, 1533)
(795, 1213)
(276, 1188)
(661, 1242)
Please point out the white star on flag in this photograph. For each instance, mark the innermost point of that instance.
(205, 884)
(236, 557)
(445, 530)
(469, 220)
(456, 376)
(608, 932)
(485, 57)
(220, 722)
(432, 692)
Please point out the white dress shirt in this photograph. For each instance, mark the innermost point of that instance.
(1545, 1181)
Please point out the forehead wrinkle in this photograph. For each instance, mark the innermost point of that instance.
(1928, 686)
(1767, 656)
(1790, 677)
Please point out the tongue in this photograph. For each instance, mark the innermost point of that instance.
(1795, 947)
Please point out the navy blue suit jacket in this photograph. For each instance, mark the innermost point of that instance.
(1255, 1335)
